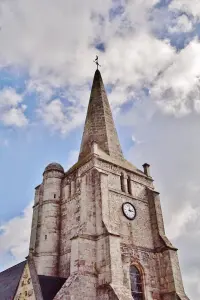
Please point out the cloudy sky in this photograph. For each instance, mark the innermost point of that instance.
(150, 56)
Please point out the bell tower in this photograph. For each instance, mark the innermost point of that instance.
(107, 237)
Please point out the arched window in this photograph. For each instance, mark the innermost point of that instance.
(129, 185)
(136, 284)
(122, 182)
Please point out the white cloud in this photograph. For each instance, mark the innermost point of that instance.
(60, 117)
(53, 115)
(186, 6)
(177, 89)
(11, 109)
(46, 36)
(180, 220)
(14, 237)
(43, 89)
(183, 24)
(14, 116)
(58, 57)
(129, 61)
(193, 283)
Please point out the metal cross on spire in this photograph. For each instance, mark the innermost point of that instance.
(97, 62)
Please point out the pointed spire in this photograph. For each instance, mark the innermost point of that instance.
(99, 124)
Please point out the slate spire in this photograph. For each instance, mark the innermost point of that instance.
(99, 124)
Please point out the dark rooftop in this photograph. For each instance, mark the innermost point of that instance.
(9, 280)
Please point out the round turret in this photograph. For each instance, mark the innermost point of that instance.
(47, 243)
(54, 167)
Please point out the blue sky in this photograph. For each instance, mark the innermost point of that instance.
(149, 52)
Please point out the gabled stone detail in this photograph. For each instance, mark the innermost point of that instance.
(25, 288)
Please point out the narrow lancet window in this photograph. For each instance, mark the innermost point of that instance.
(129, 185)
(122, 182)
(136, 284)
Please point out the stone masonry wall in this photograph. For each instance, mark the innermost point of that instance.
(98, 244)
(78, 242)
(70, 221)
(160, 270)
(78, 214)
(135, 239)
(34, 225)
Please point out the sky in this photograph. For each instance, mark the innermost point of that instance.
(149, 51)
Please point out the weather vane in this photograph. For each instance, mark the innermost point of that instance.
(97, 62)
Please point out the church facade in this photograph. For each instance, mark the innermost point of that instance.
(97, 229)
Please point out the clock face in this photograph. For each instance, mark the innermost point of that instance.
(129, 210)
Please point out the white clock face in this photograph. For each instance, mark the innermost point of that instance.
(129, 210)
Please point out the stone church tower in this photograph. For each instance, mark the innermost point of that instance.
(99, 226)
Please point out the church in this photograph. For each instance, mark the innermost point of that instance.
(97, 229)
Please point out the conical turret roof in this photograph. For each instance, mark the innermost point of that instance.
(99, 124)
